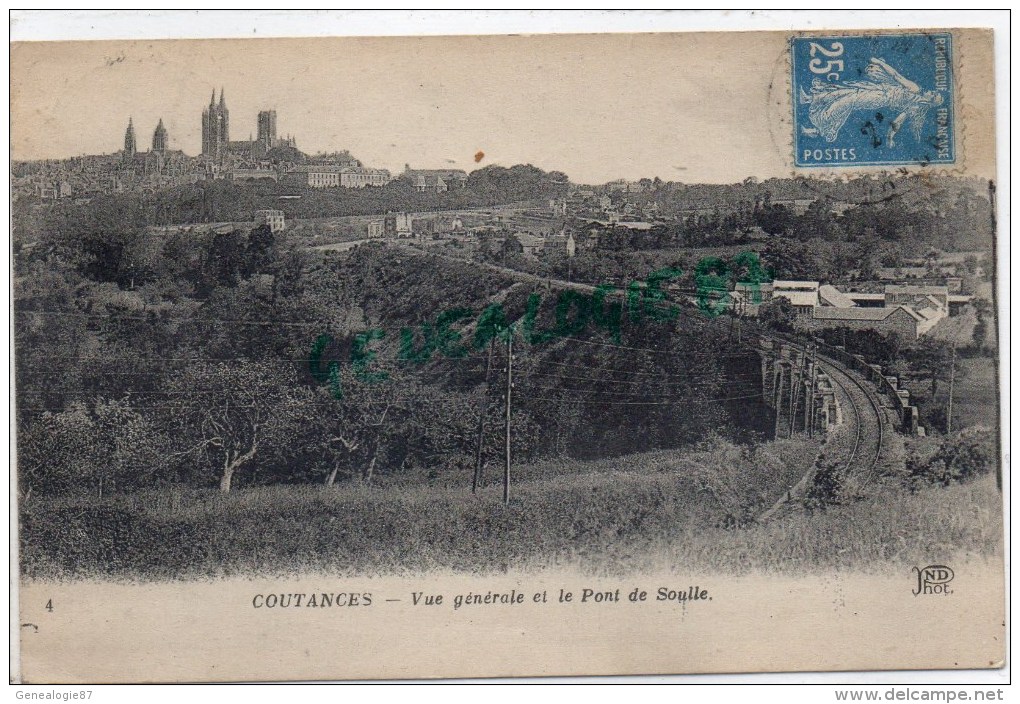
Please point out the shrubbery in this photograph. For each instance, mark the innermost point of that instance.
(957, 458)
(354, 528)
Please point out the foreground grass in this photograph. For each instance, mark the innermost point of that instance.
(605, 522)
(890, 529)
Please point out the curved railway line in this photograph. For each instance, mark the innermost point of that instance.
(863, 411)
(865, 420)
(868, 427)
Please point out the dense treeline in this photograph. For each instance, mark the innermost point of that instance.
(145, 360)
(945, 212)
(818, 228)
(236, 201)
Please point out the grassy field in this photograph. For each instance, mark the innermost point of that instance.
(975, 396)
(612, 517)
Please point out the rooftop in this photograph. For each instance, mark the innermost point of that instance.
(798, 298)
(917, 290)
(831, 313)
(834, 297)
(795, 285)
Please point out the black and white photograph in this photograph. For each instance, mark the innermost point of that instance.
(561, 355)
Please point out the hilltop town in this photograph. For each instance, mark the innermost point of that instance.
(856, 275)
(264, 155)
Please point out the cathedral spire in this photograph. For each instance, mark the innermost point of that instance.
(159, 138)
(129, 139)
(212, 98)
(223, 102)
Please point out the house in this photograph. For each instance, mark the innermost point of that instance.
(333, 176)
(902, 320)
(958, 302)
(798, 206)
(273, 218)
(747, 296)
(917, 296)
(398, 225)
(435, 180)
(802, 294)
(909, 311)
(532, 245)
(866, 300)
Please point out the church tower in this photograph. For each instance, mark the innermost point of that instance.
(215, 127)
(159, 138)
(130, 147)
(267, 129)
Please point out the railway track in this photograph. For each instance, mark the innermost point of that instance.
(866, 423)
(865, 420)
(863, 412)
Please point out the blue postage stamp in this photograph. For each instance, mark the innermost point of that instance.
(873, 100)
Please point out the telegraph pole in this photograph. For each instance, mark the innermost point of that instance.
(793, 400)
(481, 423)
(800, 386)
(810, 411)
(777, 394)
(952, 378)
(509, 388)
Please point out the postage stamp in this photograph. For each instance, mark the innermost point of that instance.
(883, 99)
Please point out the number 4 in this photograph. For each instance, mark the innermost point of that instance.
(49, 605)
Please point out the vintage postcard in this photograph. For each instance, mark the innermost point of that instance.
(500, 356)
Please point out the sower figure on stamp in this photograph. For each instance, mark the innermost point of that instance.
(832, 103)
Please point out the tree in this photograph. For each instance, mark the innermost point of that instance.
(225, 261)
(778, 314)
(983, 310)
(827, 485)
(932, 359)
(792, 259)
(232, 412)
(259, 254)
(741, 481)
(54, 451)
(511, 248)
(350, 431)
(101, 449)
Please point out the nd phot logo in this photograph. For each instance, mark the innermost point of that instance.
(933, 579)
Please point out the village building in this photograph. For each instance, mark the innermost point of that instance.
(273, 218)
(398, 225)
(909, 311)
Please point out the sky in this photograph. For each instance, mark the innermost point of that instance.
(683, 107)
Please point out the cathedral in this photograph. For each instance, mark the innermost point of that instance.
(160, 161)
(216, 142)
